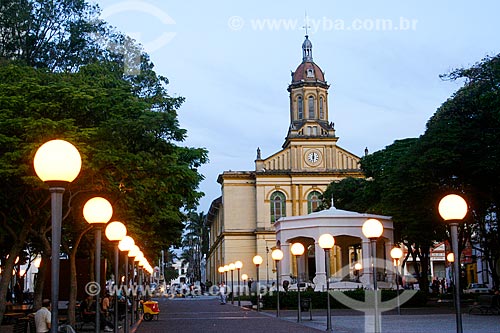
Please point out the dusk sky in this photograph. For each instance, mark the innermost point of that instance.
(231, 60)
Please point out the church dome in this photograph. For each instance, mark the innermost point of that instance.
(307, 70)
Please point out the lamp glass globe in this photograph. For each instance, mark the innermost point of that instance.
(57, 160)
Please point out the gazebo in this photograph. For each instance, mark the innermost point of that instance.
(351, 247)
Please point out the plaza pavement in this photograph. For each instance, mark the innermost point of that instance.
(205, 314)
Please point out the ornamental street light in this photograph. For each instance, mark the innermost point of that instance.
(232, 267)
(453, 208)
(373, 229)
(357, 268)
(126, 245)
(244, 277)
(326, 242)
(57, 163)
(238, 264)
(221, 272)
(257, 260)
(277, 256)
(115, 232)
(226, 269)
(134, 251)
(97, 212)
(396, 254)
(298, 250)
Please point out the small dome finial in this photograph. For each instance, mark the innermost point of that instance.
(307, 50)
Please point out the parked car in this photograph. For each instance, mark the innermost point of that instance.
(477, 288)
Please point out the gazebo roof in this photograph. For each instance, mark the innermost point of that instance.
(334, 213)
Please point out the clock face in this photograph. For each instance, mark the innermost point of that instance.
(313, 157)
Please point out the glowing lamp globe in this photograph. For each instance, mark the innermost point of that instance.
(226, 268)
(396, 253)
(277, 254)
(326, 241)
(126, 243)
(116, 231)
(57, 161)
(238, 264)
(358, 266)
(232, 266)
(372, 228)
(221, 269)
(257, 260)
(97, 210)
(139, 257)
(134, 250)
(452, 207)
(244, 277)
(297, 249)
(450, 257)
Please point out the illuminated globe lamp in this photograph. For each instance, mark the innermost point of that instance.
(453, 209)
(326, 242)
(373, 229)
(125, 245)
(257, 261)
(232, 267)
(97, 212)
(298, 250)
(134, 250)
(115, 232)
(450, 257)
(57, 163)
(221, 272)
(396, 254)
(277, 256)
(226, 269)
(238, 265)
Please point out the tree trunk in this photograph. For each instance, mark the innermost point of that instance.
(40, 282)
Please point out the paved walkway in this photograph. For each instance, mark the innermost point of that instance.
(206, 315)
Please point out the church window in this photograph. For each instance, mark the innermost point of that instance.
(300, 107)
(278, 202)
(321, 112)
(310, 72)
(311, 107)
(313, 201)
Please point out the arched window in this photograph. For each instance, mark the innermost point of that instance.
(311, 107)
(313, 201)
(278, 209)
(300, 107)
(321, 112)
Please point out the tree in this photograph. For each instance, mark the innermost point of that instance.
(195, 243)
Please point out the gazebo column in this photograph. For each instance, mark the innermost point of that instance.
(285, 263)
(366, 278)
(320, 277)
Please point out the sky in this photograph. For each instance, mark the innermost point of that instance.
(232, 61)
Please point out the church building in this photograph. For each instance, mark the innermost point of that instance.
(287, 183)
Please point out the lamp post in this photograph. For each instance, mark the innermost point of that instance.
(115, 232)
(226, 269)
(244, 277)
(396, 254)
(221, 272)
(134, 251)
(232, 267)
(277, 255)
(57, 163)
(326, 242)
(453, 208)
(357, 268)
(97, 212)
(126, 245)
(298, 250)
(257, 260)
(238, 264)
(373, 229)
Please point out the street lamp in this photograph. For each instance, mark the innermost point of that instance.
(226, 269)
(453, 208)
(115, 232)
(238, 264)
(57, 163)
(221, 272)
(244, 277)
(396, 254)
(357, 268)
(97, 212)
(326, 242)
(373, 229)
(298, 250)
(257, 260)
(126, 245)
(134, 251)
(232, 267)
(277, 255)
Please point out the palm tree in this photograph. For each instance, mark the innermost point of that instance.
(195, 244)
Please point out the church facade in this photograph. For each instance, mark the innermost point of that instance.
(287, 183)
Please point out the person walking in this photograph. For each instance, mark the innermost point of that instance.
(222, 292)
(43, 317)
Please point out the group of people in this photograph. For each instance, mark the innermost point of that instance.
(88, 310)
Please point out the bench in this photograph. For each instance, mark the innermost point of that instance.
(306, 306)
(486, 304)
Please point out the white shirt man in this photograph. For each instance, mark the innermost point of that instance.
(222, 292)
(43, 317)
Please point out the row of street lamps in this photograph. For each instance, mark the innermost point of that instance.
(57, 163)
